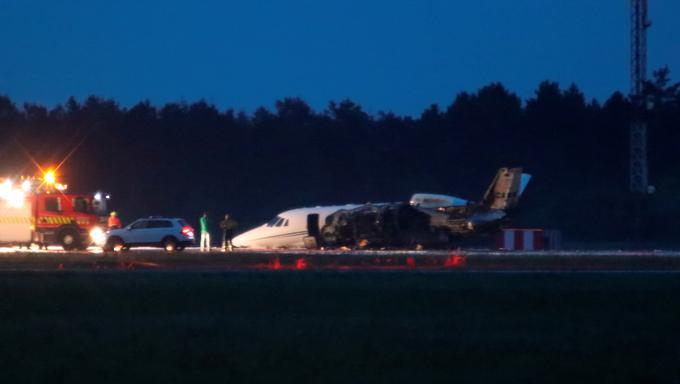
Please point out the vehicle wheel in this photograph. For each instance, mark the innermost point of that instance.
(114, 244)
(69, 239)
(170, 245)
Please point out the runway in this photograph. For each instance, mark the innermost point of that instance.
(192, 259)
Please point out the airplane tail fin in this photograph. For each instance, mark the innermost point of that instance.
(506, 189)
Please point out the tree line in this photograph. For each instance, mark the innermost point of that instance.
(183, 158)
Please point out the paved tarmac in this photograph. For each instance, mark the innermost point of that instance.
(192, 259)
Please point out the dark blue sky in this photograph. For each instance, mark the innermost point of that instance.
(391, 55)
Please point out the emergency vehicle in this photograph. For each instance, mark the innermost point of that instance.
(41, 211)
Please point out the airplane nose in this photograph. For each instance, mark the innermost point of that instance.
(240, 241)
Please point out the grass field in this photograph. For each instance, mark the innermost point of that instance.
(330, 326)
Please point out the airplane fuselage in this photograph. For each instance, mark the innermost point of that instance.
(288, 229)
(424, 219)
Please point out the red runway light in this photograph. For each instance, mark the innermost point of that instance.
(455, 260)
(411, 261)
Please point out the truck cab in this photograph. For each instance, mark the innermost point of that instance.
(64, 219)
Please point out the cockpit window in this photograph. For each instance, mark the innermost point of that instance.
(285, 224)
(274, 222)
(280, 222)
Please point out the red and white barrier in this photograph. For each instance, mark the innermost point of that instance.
(520, 239)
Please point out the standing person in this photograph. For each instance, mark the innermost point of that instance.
(114, 221)
(205, 234)
(228, 225)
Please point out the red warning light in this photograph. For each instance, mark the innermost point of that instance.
(300, 263)
(455, 260)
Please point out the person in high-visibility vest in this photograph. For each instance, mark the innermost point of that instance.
(205, 233)
(114, 221)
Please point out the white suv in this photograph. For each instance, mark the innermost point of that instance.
(168, 233)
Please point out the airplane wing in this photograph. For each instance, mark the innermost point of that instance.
(433, 201)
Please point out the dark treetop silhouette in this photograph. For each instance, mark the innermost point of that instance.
(181, 158)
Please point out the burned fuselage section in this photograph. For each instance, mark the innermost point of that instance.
(377, 225)
(427, 219)
(401, 225)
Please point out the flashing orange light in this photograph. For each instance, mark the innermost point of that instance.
(50, 177)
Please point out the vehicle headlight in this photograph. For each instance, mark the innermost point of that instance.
(98, 236)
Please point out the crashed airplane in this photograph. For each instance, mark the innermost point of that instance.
(425, 220)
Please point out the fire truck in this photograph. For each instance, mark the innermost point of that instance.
(40, 211)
